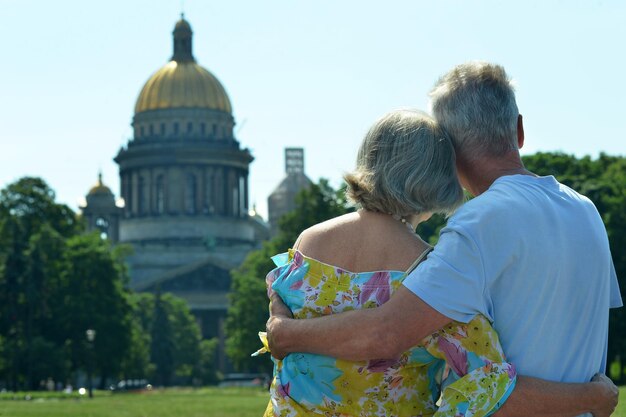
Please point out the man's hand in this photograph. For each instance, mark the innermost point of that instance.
(278, 311)
(608, 395)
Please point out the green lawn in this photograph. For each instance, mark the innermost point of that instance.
(621, 407)
(205, 402)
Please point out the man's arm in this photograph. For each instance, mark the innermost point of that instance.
(376, 333)
(373, 333)
(538, 397)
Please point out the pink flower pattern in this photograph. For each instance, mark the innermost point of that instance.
(377, 285)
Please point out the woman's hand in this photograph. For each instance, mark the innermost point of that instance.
(278, 311)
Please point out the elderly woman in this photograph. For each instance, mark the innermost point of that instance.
(405, 172)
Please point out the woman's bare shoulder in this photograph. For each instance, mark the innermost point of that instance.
(325, 231)
(360, 244)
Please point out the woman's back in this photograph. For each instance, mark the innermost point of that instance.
(307, 384)
(362, 241)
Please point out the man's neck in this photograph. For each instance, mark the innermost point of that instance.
(480, 173)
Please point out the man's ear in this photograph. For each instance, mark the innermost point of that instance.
(520, 132)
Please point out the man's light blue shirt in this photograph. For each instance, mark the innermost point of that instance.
(532, 255)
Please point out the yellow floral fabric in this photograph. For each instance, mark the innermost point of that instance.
(457, 371)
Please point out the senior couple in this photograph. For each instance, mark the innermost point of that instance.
(506, 315)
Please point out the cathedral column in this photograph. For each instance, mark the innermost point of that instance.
(151, 193)
(124, 191)
(134, 193)
(225, 192)
(246, 200)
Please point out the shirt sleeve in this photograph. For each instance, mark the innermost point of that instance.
(452, 279)
(615, 297)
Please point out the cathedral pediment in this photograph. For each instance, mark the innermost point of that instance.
(211, 274)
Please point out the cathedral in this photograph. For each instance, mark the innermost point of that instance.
(184, 183)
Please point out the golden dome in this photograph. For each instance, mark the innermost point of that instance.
(183, 84)
(100, 188)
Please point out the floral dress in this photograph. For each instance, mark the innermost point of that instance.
(475, 382)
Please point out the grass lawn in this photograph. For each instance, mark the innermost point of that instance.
(205, 402)
(621, 407)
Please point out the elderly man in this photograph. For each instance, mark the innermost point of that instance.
(529, 253)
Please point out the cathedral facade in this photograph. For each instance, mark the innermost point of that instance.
(184, 183)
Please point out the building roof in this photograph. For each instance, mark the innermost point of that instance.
(100, 188)
(292, 184)
(182, 82)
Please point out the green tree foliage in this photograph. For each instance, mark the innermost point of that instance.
(43, 282)
(248, 309)
(32, 232)
(429, 230)
(205, 372)
(56, 282)
(94, 297)
(31, 201)
(162, 346)
(169, 347)
(136, 362)
(11, 283)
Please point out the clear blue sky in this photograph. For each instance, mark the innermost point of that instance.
(299, 73)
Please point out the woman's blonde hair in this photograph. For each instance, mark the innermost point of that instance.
(405, 166)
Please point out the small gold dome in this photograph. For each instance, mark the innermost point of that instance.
(99, 188)
(183, 84)
(182, 24)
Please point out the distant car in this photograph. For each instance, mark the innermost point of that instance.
(128, 385)
(245, 380)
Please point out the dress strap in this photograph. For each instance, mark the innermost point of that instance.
(419, 259)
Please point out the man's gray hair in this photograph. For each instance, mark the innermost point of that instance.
(475, 103)
(405, 166)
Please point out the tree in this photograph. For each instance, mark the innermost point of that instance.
(136, 361)
(32, 227)
(31, 201)
(162, 346)
(93, 296)
(12, 249)
(57, 282)
(169, 345)
(42, 282)
(205, 372)
(248, 309)
(187, 338)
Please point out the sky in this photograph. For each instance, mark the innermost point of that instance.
(303, 73)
